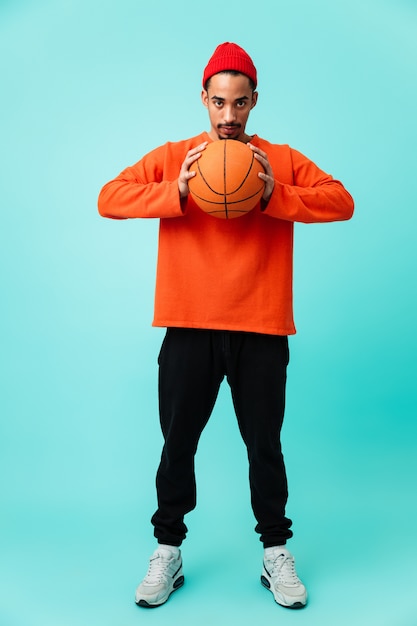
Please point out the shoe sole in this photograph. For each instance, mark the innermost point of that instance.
(296, 605)
(146, 605)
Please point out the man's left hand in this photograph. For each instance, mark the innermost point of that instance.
(268, 176)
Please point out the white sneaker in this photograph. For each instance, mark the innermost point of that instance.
(164, 576)
(280, 577)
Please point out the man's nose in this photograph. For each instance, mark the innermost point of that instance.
(229, 114)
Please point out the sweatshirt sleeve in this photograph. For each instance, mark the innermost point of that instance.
(142, 190)
(314, 195)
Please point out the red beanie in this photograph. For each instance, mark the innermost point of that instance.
(230, 56)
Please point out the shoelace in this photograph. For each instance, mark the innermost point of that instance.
(284, 568)
(157, 569)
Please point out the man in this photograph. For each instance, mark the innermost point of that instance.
(224, 318)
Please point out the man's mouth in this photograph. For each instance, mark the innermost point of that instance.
(228, 129)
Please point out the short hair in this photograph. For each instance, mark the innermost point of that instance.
(232, 73)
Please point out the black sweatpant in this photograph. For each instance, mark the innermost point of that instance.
(192, 365)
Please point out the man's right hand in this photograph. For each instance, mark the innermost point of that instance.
(185, 174)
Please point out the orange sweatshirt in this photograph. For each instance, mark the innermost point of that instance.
(225, 274)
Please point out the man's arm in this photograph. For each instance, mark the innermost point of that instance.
(314, 197)
(141, 191)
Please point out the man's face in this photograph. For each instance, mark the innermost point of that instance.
(229, 100)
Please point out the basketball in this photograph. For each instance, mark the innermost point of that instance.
(226, 183)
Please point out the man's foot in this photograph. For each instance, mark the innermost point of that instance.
(280, 577)
(164, 576)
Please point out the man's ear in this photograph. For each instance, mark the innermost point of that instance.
(254, 99)
(204, 97)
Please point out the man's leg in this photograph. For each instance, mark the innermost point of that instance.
(189, 378)
(257, 375)
(190, 373)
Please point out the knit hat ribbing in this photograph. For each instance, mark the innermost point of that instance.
(230, 56)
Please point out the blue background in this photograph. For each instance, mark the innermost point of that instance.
(87, 88)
